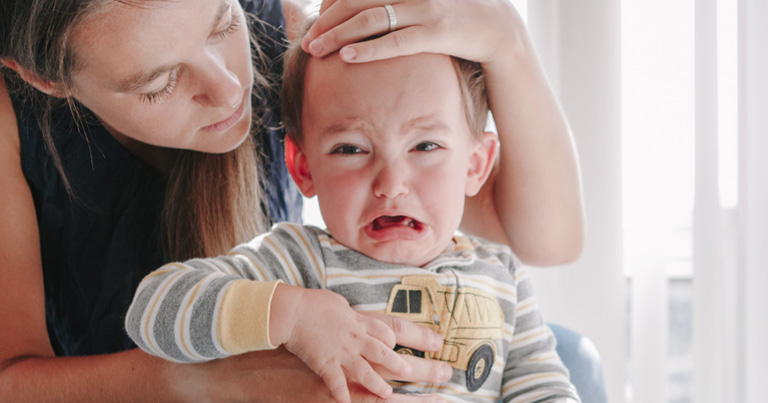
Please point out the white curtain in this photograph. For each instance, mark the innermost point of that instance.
(579, 44)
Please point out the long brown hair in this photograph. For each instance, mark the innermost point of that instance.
(212, 201)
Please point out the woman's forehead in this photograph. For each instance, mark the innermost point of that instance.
(124, 39)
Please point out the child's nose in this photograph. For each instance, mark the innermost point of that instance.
(391, 181)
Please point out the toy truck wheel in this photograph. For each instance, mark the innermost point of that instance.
(479, 367)
(408, 351)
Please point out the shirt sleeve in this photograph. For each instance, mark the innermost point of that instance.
(533, 371)
(211, 308)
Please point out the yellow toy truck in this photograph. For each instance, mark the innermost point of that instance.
(468, 319)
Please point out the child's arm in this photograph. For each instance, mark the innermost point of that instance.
(533, 370)
(213, 308)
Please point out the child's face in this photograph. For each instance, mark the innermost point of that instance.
(387, 149)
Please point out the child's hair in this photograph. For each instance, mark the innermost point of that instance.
(469, 74)
(212, 202)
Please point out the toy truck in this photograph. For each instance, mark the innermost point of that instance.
(468, 319)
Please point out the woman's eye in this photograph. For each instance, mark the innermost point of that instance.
(155, 96)
(346, 149)
(426, 146)
(230, 29)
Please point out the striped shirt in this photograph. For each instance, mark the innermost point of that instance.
(478, 297)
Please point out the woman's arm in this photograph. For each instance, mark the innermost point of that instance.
(533, 200)
(28, 369)
(536, 188)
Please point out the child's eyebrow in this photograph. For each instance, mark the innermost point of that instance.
(425, 123)
(421, 123)
(337, 128)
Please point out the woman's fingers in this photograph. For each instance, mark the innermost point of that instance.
(403, 42)
(422, 370)
(343, 26)
(361, 395)
(410, 334)
(367, 23)
(335, 12)
(470, 29)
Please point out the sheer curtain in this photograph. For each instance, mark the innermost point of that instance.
(580, 46)
(578, 43)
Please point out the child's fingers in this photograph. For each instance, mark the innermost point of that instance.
(379, 330)
(378, 353)
(336, 382)
(362, 372)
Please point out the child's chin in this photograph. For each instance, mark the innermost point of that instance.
(402, 255)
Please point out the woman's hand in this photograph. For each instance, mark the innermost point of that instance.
(470, 29)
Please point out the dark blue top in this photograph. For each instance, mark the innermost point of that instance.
(96, 252)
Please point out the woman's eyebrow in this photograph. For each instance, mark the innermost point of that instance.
(226, 5)
(139, 80)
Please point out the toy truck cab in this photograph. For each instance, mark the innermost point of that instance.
(468, 319)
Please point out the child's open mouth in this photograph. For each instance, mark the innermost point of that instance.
(384, 222)
(395, 228)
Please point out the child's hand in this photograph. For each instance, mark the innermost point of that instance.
(336, 342)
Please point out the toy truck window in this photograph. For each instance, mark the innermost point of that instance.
(400, 304)
(405, 299)
(414, 297)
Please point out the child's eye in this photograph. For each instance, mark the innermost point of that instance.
(346, 149)
(426, 146)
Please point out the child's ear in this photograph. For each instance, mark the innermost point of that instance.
(481, 162)
(296, 162)
(33, 79)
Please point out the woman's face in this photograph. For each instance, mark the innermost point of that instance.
(168, 73)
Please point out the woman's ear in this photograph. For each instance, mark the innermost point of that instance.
(481, 162)
(33, 79)
(296, 162)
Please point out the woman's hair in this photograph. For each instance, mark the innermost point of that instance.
(212, 201)
(470, 75)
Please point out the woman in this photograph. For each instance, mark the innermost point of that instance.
(164, 95)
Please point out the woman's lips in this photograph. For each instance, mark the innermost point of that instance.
(228, 122)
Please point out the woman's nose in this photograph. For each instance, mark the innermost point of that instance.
(218, 86)
(391, 181)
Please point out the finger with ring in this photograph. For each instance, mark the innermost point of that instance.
(392, 17)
